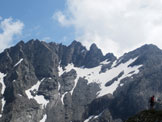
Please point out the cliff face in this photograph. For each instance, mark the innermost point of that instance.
(49, 82)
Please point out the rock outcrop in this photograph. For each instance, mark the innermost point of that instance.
(147, 116)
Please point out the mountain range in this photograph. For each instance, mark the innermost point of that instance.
(50, 82)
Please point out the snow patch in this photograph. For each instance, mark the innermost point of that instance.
(75, 83)
(60, 70)
(2, 91)
(113, 72)
(18, 62)
(121, 84)
(20, 95)
(44, 118)
(42, 79)
(59, 86)
(105, 62)
(94, 75)
(91, 117)
(33, 88)
(39, 98)
(114, 64)
(2, 82)
(83, 50)
(3, 103)
(62, 97)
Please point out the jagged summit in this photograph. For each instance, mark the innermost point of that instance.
(74, 43)
(145, 49)
(74, 53)
(148, 47)
(93, 47)
(144, 53)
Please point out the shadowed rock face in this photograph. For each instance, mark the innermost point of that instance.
(94, 57)
(147, 116)
(35, 90)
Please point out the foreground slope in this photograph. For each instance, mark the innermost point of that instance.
(147, 116)
(49, 82)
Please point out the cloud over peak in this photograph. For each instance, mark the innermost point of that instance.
(114, 25)
(9, 28)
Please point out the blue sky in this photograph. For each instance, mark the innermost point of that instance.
(37, 18)
(116, 26)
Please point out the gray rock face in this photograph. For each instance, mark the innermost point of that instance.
(67, 82)
(55, 111)
(82, 96)
(32, 72)
(48, 88)
(94, 57)
(98, 105)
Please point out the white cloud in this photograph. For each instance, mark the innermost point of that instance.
(114, 25)
(61, 19)
(9, 28)
(46, 38)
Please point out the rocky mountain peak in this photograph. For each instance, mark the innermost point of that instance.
(149, 47)
(110, 57)
(144, 53)
(32, 41)
(78, 54)
(75, 43)
(21, 42)
(93, 47)
(50, 82)
(93, 57)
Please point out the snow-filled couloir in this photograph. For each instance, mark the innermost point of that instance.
(2, 91)
(44, 118)
(18, 62)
